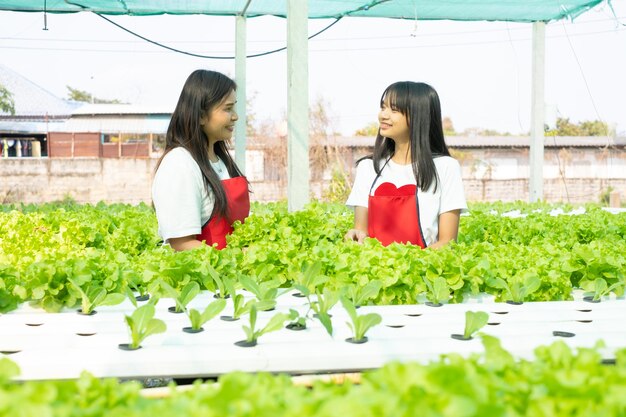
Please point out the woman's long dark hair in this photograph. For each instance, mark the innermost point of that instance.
(419, 102)
(202, 92)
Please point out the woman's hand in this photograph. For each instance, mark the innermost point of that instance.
(360, 225)
(355, 235)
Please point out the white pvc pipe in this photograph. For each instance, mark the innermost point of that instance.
(240, 78)
(537, 109)
(297, 105)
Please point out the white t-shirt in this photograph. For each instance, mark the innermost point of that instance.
(180, 198)
(449, 195)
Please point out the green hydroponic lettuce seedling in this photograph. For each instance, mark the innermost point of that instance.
(95, 295)
(309, 279)
(198, 319)
(264, 291)
(182, 298)
(474, 321)
(360, 295)
(438, 291)
(296, 321)
(359, 324)
(325, 301)
(518, 288)
(216, 283)
(252, 334)
(141, 324)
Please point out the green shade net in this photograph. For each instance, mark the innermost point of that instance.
(503, 10)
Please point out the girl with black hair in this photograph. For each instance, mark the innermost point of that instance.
(410, 189)
(198, 191)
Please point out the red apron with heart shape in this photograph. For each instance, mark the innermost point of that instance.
(393, 214)
(214, 232)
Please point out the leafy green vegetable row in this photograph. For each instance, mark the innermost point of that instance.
(557, 382)
(53, 254)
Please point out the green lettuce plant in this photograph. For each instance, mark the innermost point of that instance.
(240, 306)
(296, 320)
(518, 288)
(600, 288)
(360, 295)
(216, 283)
(359, 324)
(93, 296)
(264, 292)
(324, 302)
(182, 298)
(197, 319)
(141, 324)
(438, 291)
(309, 279)
(253, 334)
(474, 321)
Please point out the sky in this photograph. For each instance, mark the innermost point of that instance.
(481, 70)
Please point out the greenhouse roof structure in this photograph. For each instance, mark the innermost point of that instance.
(467, 10)
(539, 12)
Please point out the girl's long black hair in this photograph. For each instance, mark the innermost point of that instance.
(202, 92)
(419, 102)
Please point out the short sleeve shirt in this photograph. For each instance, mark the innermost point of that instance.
(180, 197)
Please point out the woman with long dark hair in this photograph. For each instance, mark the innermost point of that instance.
(198, 191)
(410, 189)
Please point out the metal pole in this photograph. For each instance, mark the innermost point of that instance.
(537, 109)
(297, 105)
(240, 78)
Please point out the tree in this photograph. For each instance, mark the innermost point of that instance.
(587, 128)
(448, 127)
(370, 129)
(83, 96)
(7, 105)
(479, 131)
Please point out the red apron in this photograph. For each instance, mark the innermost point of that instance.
(393, 214)
(238, 200)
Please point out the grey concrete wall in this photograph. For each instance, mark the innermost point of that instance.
(90, 180)
(86, 180)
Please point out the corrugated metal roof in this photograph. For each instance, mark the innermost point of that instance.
(497, 141)
(107, 109)
(32, 100)
(524, 141)
(30, 127)
(125, 124)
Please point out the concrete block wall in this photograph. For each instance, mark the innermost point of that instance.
(90, 180)
(86, 180)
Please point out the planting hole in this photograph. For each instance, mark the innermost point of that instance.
(563, 334)
(357, 342)
(585, 311)
(494, 323)
(245, 343)
(500, 312)
(85, 334)
(395, 326)
(192, 330)
(9, 352)
(34, 324)
(584, 321)
(91, 313)
(413, 314)
(126, 346)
